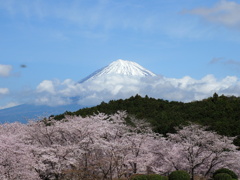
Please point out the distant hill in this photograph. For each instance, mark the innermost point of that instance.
(219, 113)
(25, 112)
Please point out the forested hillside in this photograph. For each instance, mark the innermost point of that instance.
(219, 113)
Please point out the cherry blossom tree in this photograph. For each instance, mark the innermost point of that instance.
(16, 161)
(95, 146)
(196, 150)
(167, 157)
(106, 147)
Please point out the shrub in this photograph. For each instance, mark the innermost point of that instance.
(227, 171)
(139, 177)
(179, 175)
(164, 178)
(156, 177)
(222, 176)
(148, 177)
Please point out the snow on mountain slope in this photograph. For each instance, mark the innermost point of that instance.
(121, 67)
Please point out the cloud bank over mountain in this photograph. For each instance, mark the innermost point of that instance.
(106, 87)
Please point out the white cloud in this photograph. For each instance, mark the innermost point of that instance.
(51, 100)
(4, 91)
(5, 70)
(229, 62)
(54, 93)
(26, 7)
(104, 14)
(115, 87)
(46, 86)
(224, 12)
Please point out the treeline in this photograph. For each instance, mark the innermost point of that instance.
(219, 113)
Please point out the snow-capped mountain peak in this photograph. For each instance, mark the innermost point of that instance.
(121, 67)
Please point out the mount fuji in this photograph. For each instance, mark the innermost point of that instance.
(122, 68)
(109, 81)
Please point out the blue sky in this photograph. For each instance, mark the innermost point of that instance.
(59, 40)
